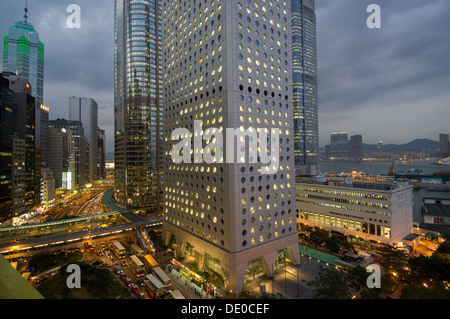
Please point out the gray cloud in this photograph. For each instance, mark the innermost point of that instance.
(387, 84)
(78, 62)
(371, 81)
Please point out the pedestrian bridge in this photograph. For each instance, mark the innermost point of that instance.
(15, 233)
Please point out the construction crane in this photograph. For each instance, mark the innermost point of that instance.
(391, 169)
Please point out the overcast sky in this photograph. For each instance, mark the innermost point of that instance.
(390, 84)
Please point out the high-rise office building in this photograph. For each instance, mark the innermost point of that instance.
(380, 147)
(77, 172)
(42, 118)
(20, 189)
(24, 121)
(228, 66)
(85, 110)
(339, 145)
(61, 157)
(355, 148)
(138, 105)
(48, 186)
(305, 98)
(443, 141)
(101, 159)
(6, 148)
(23, 54)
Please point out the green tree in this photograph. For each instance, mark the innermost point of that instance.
(436, 267)
(388, 281)
(318, 237)
(421, 292)
(394, 261)
(331, 284)
(333, 243)
(357, 278)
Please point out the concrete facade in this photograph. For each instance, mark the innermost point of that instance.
(381, 215)
(228, 65)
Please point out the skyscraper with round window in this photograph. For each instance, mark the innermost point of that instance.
(138, 105)
(228, 69)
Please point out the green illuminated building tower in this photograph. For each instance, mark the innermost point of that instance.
(23, 54)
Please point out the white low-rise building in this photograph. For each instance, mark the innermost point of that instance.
(379, 212)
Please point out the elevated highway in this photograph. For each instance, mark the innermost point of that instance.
(33, 246)
(28, 240)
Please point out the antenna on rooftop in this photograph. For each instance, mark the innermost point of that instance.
(26, 11)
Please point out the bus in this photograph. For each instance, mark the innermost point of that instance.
(154, 287)
(176, 294)
(117, 248)
(150, 263)
(137, 267)
(138, 251)
(161, 275)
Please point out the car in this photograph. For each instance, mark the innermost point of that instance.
(118, 270)
(124, 263)
(141, 281)
(129, 282)
(124, 277)
(141, 295)
(135, 289)
(56, 272)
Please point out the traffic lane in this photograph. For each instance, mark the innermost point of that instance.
(100, 261)
(178, 285)
(126, 270)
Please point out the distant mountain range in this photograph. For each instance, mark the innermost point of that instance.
(417, 146)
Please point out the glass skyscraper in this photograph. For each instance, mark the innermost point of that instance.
(339, 145)
(23, 54)
(138, 105)
(85, 110)
(305, 98)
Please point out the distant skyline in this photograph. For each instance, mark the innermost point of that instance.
(390, 84)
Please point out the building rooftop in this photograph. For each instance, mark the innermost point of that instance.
(436, 207)
(348, 181)
(13, 285)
